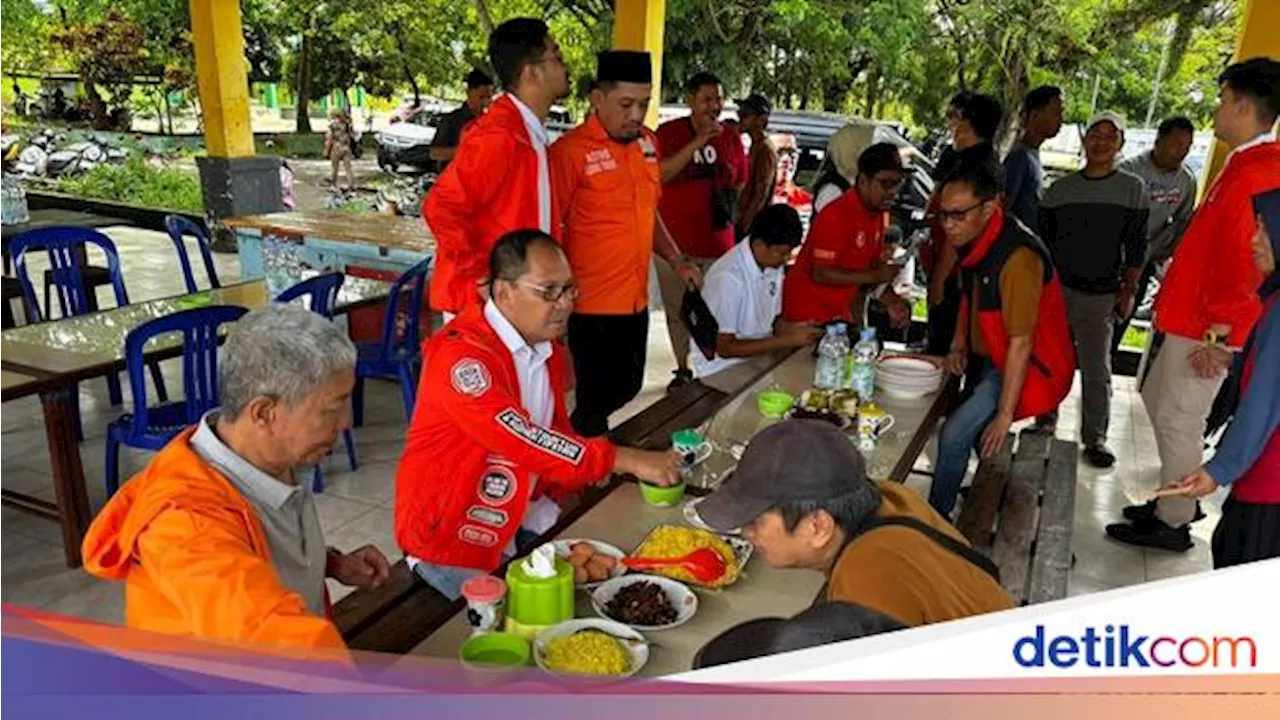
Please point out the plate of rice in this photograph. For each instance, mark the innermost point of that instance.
(590, 648)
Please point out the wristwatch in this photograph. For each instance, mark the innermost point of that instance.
(1214, 339)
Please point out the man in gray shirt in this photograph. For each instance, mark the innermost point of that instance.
(1171, 189)
(1023, 174)
(219, 537)
(1095, 225)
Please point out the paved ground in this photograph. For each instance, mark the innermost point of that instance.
(357, 506)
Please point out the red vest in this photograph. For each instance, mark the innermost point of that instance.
(1053, 356)
(1260, 484)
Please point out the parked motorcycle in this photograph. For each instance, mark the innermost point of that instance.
(404, 196)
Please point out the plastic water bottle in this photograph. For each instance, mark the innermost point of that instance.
(829, 373)
(863, 369)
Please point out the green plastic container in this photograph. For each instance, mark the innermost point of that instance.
(496, 650)
(535, 604)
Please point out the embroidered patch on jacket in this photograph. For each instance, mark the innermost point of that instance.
(820, 254)
(473, 535)
(470, 377)
(488, 516)
(497, 486)
(548, 441)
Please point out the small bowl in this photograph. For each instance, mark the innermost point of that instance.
(661, 496)
(678, 594)
(633, 641)
(774, 403)
(495, 651)
(562, 551)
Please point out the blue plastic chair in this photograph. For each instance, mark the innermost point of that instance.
(64, 244)
(178, 227)
(321, 293)
(151, 428)
(398, 354)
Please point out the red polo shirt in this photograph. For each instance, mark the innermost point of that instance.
(686, 200)
(844, 236)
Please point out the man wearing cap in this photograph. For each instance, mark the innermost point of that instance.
(802, 495)
(762, 161)
(843, 254)
(703, 168)
(1094, 223)
(606, 181)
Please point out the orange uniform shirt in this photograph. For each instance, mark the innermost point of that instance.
(844, 236)
(606, 195)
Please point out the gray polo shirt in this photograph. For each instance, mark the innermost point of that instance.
(287, 513)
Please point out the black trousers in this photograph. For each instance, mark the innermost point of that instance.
(1246, 533)
(608, 362)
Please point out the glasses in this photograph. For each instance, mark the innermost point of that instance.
(945, 216)
(552, 293)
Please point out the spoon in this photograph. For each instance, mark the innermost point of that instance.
(706, 565)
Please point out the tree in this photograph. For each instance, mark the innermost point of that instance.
(107, 55)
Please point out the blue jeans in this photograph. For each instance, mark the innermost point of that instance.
(956, 440)
(447, 579)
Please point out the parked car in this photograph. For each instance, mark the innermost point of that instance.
(408, 142)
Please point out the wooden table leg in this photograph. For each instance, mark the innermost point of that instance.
(68, 474)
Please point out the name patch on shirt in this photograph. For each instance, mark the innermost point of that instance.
(473, 535)
(487, 516)
(548, 441)
(470, 377)
(598, 161)
(497, 485)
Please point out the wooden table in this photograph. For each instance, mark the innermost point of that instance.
(620, 517)
(50, 358)
(281, 246)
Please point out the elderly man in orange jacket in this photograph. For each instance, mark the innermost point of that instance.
(218, 538)
(499, 180)
(490, 446)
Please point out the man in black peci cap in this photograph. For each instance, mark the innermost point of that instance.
(802, 495)
(762, 161)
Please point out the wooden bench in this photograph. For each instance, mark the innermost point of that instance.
(1020, 512)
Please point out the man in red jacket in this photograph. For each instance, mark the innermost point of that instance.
(1208, 302)
(498, 181)
(704, 166)
(1012, 320)
(490, 437)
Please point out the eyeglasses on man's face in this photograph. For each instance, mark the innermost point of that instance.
(551, 293)
(955, 216)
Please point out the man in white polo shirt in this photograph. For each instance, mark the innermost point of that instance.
(743, 290)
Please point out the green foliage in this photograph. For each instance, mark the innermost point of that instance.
(136, 182)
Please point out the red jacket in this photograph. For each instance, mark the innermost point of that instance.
(463, 484)
(489, 190)
(1213, 278)
(1053, 356)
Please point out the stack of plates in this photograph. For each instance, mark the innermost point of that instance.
(909, 376)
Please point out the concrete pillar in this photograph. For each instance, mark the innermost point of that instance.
(234, 180)
(1259, 37)
(638, 25)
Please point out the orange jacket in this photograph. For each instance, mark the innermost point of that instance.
(606, 194)
(489, 190)
(1213, 277)
(194, 558)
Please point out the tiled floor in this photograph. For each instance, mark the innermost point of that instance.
(357, 506)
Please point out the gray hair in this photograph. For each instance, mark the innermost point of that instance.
(282, 351)
(849, 510)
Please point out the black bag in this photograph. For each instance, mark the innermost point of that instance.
(724, 207)
(702, 325)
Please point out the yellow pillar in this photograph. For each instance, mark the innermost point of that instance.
(1258, 38)
(638, 25)
(222, 77)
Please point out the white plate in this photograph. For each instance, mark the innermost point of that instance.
(678, 594)
(691, 516)
(562, 551)
(639, 648)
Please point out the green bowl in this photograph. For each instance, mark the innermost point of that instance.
(774, 403)
(661, 496)
(495, 650)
